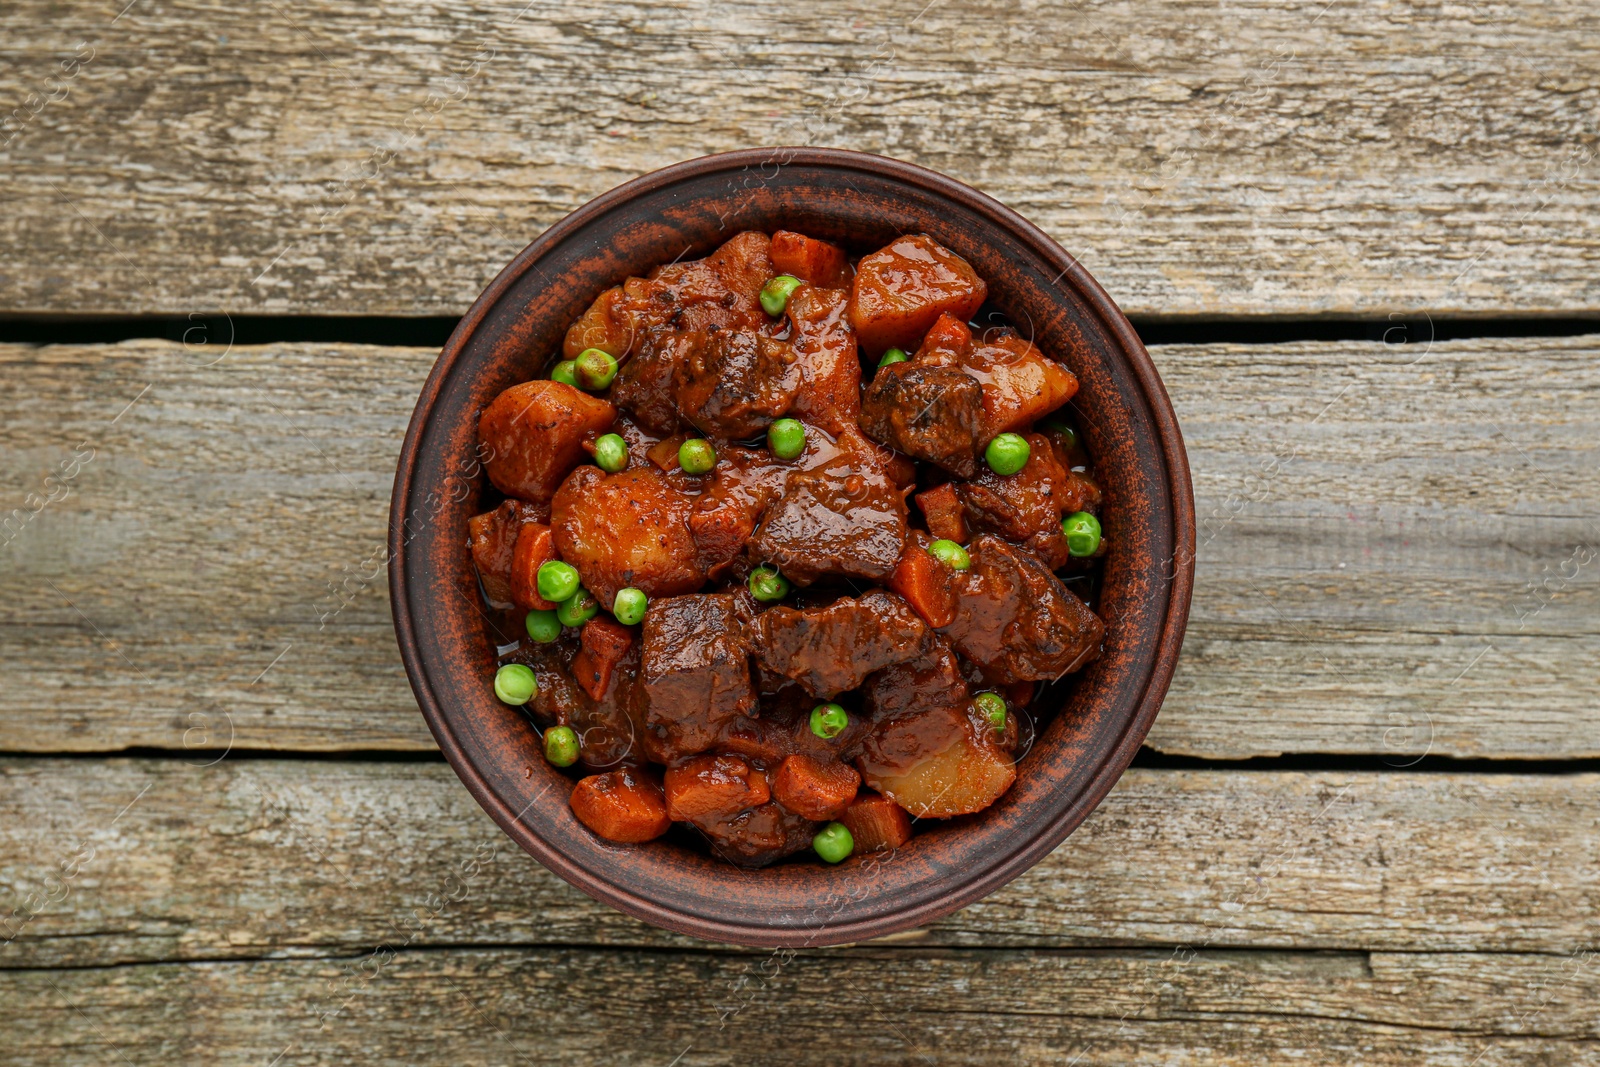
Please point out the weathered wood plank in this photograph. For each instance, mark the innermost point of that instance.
(867, 1007)
(120, 861)
(1392, 557)
(1254, 156)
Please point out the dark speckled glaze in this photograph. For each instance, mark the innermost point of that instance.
(863, 202)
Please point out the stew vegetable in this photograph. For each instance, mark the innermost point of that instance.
(787, 534)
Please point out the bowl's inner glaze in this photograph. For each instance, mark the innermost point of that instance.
(862, 202)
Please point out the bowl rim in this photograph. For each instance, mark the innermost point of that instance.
(1168, 643)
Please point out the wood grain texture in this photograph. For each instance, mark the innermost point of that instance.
(142, 861)
(1258, 156)
(1391, 561)
(847, 1007)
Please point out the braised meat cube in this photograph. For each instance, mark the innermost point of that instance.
(535, 432)
(735, 497)
(604, 643)
(758, 836)
(626, 529)
(845, 519)
(643, 385)
(831, 649)
(1025, 507)
(829, 393)
(695, 675)
(1020, 384)
(902, 289)
(1017, 621)
(744, 263)
(817, 262)
(735, 383)
(929, 681)
(928, 412)
(716, 293)
(492, 536)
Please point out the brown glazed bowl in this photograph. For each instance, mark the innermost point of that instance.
(863, 202)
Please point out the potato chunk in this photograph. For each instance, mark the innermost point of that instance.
(966, 777)
(536, 432)
(1020, 385)
(901, 290)
(627, 529)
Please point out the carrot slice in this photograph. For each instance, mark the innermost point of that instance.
(946, 517)
(626, 806)
(604, 643)
(534, 549)
(817, 789)
(707, 786)
(877, 823)
(926, 584)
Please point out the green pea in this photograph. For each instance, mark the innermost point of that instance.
(578, 608)
(561, 746)
(828, 721)
(894, 355)
(993, 708)
(629, 606)
(786, 438)
(1082, 531)
(563, 372)
(1069, 436)
(556, 581)
(775, 294)
(767, 584)
(950, 554)
(543, 626)
(696, 455)
(1007, 454)
(834, 842)
(611, 453)
(594, 368)
(515, 683)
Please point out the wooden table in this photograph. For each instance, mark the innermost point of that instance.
(1364, 829)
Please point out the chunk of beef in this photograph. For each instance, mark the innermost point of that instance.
(736, 495)
(744, 264)
(829, 650)
(943, 513)
(784, 729)
(817, 262)
(643, 386)
(627, 529)
(829, 393)
(1025, 507)
(758, 836)
(928, 412)
(1017, 621)
(847, 518)
(735, 383)
(535, 432)
(695, 676)
(902, 289)
(1020, 384)
(492, 536)
(719, 292)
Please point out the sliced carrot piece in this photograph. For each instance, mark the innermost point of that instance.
(625, 805)
(534, 549)
(947, 519)
(926, 584)
(877, 823)
(818, 789)
(707, 786)
(604, 642)
(664, 454)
